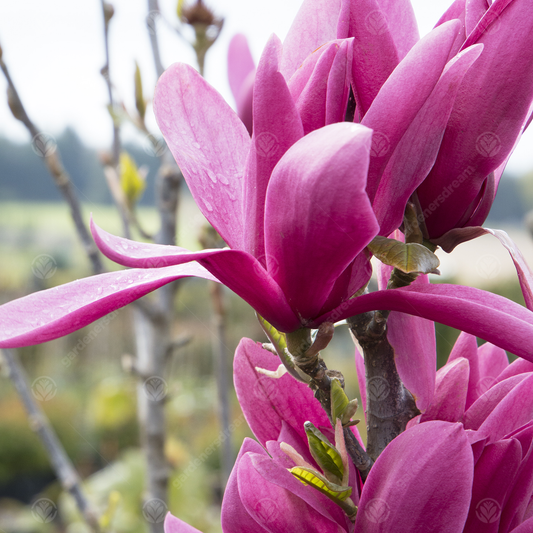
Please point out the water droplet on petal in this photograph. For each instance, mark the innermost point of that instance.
(212, 175)
(207, 205)
(223, 179)
(196, 145)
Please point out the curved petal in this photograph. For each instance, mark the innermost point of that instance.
(240, 63)
(266, 401)
(494, 475)
(277, 126)
(234, 516)
(519, 366)
(415, 353)
(210, 144)
(515, 410)
(318, 217)
(374, 52)
(402, 24)
(417, 150)
(238, 270)
(397, 103)
(314, 25)
(492, 362)
(466, 347)
(486, 315)
(451, 388)
(483, 130)
(53, 313)
(273, 497)
(421, 482)
(485, 404)
(174, 525)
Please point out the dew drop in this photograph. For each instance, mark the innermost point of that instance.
(212, 175)
(197, 145)
(207, 205)
(223, 179)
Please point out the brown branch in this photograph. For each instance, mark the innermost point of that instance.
(55, 167)
(309, 361)
(389, 404)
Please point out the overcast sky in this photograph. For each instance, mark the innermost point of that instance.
(54, 49)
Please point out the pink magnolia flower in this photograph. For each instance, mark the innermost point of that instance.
(446, 110)
(421, 482)
(293, 208)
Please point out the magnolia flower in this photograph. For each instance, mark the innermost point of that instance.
(467, 474)
(452, 136)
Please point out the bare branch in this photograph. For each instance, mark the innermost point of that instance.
(55, 167)
(38, 421)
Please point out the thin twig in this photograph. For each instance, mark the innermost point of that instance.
(38, 421)
(61, 178)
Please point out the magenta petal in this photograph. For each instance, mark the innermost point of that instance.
(52, 313)
(486, 315)
(240, 63)
(318, 217)
(515, 410)
(520, 496)
(482, 131)
(266, 401)
(421, 69)
(375, 55)
(451, 388)
(466, 346)
(416, 152)
(234, 516)
(492, 362)
(314, 25)
(402, 25)
(525, 527)
(272, 496)
(413, 340)
(485, 404)
(519, 366)
(210, 145)
(339, 80)
(361, 378)
(494, 475)
(525, 276)
(175, 525)
(475, 9)
(277, 126)
(236, 269)
(421, 482)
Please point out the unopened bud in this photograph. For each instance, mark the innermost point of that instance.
(109, 11)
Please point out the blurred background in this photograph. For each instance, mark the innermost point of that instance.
(84, 382)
